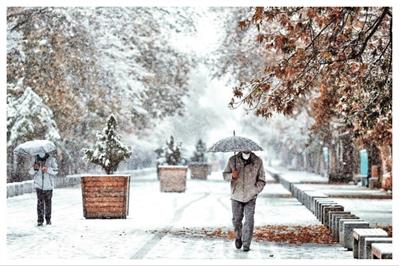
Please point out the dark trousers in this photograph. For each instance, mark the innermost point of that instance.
(240, 210)
(44, 204)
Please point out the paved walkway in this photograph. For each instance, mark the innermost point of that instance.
(372, 205)
(145, 234)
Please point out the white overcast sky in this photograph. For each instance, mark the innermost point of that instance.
(218, 92)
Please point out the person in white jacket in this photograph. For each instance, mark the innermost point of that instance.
(44, 170)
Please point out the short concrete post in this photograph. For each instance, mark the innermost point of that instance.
(10, 190)
(370, 240)
(341, 229)
(28, 187)
(326, 210)
(382, 250)
(359, 236)
(348, 227)
(314, 198)
(322, 206)
(336, 221)
(331, 218)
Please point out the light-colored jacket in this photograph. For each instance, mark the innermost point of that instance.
(45, 181)
(251, 180)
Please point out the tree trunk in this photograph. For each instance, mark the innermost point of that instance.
(386, 157)
(374, 157)
(347, 153)
(319, 162)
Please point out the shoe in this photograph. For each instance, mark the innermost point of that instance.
(238, 243)
(246, 249)
(48, 222)
(40, 224)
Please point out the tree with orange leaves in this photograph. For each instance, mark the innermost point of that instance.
(334, 61)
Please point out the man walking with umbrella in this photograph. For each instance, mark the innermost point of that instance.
(245, 171)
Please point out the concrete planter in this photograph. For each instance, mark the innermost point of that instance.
(172, 178)
(105, 196)
(199, 170)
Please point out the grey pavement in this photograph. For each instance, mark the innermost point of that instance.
(372, 205)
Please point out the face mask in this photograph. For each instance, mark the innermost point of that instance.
(245, 155)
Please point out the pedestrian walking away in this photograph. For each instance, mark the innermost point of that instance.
(44, 170)
(245, 171)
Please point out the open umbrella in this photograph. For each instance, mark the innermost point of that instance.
(35, 147)
(235, 144)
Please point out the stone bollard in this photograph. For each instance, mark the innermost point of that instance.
(295, 191)
(370, 240)
(348, 227)
(326, 210)
(15, 188)
(359, 236)
(336, 223)
(312, 196)
(315, 199)
(332, 216)
(382, 251)
(287, 185)
(22, 188)
(340, 227)
(304, 197)
(18, 189)
(301, 196)
(317, 203)
(373, 182)
(321, 206)
(28, 186)
(10, 190)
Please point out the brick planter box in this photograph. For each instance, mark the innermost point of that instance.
(199, 170)
(105, 196)
(172, 178)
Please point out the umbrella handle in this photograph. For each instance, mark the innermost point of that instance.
(234, 154)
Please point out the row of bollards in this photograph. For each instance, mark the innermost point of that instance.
(352, 232)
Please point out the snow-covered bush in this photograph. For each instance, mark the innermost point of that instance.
(199, 154)
(28, 117)
(159, 156)
(108, 151)
(172, 153)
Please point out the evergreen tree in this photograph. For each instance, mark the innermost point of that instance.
(199, 154)
(28, 117)
(108, 151)
(172, 153)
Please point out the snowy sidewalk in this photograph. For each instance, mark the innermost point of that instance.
(372, 205)
(205, 204)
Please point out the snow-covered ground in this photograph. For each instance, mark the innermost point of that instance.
(373, 205)
(144, 234)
